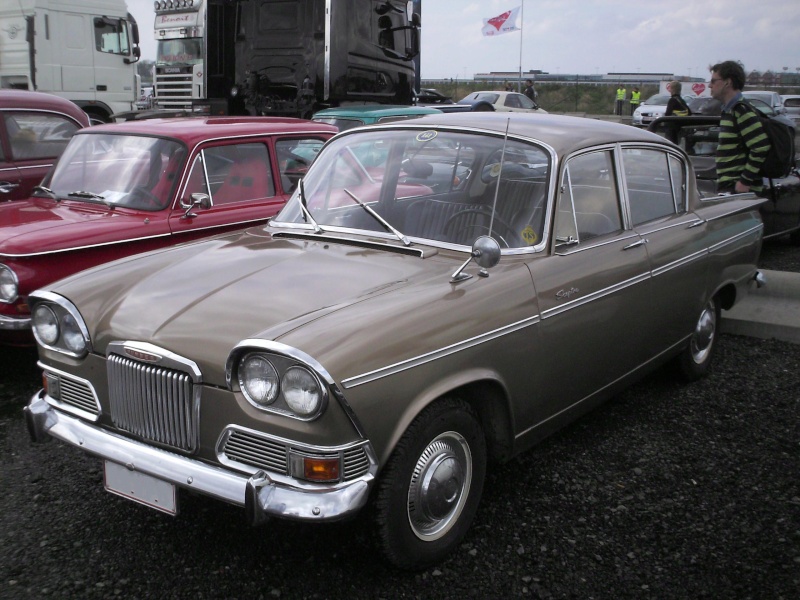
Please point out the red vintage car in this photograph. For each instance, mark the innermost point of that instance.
(34, 130)
(131, 187)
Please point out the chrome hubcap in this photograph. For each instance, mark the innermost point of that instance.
(704, 332)
(439, 486)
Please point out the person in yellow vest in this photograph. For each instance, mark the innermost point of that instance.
(636, 98)
(620, 104)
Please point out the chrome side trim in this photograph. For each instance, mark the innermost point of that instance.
(736, 237)
(410, 363)
(44, 165)
(680, 262)
(612, 289)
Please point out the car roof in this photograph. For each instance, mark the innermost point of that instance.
(193, 130)
(563, 133)
(378, 111)
(27, 100)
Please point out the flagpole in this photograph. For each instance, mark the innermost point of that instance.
(521, 31)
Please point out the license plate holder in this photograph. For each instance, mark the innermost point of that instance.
(140, 487)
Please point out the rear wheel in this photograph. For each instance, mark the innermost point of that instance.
(431, 486)
(695, 360)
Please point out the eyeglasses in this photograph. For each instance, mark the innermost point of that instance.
(713, 80)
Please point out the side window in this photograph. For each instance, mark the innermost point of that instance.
(234, 173)
(512, 101)
(111, 35)
(677, 176)
(38, 135)
(294, 157)
(648, 177)
(525, 102)
(589, 203)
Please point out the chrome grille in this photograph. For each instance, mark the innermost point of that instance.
(77, 394)
(253, 450)
(153, 402)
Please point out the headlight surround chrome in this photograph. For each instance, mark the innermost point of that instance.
(9, 285)
(57, 325)
(299, 389)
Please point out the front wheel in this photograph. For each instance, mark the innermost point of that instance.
(695, 360)
(430, 489)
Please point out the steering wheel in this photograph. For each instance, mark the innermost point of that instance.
(150, 199)
(512, 235)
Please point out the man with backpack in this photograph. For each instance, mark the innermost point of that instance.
(743, 142)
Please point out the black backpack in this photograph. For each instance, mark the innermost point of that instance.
(780, 160)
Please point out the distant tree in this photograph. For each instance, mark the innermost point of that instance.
(144, 68)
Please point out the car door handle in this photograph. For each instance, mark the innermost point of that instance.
(697, 223)
(641, 242)
(7, 186)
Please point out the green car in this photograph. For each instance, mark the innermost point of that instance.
(347, 117)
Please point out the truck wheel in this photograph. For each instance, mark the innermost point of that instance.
(695, 360)
(430, 489)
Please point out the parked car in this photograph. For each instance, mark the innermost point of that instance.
(129, 187)
(652, 108)
(347, 117)
(704, 105)
(791, 103)
(773, 99)
(385, 349)
(34, 130)
(502, 102)
(698, 136)
(431, 96)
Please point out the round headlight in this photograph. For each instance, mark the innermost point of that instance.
(258, 379)
(73, 336)
(301, 391)
(8, 284)
(45, 324)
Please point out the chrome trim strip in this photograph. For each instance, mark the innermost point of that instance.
(680, 262)
(14, 324)
(416, 361)
(736, 238)
(584, 248)
(46, 166)
(595, 295)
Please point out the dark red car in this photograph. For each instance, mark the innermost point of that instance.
(34, 130)
(130, 187)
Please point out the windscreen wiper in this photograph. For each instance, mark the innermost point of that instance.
(45, 190)
(91, 197)
(379, 218)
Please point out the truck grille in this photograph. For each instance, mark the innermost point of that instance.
(253, 450)
(173, 90)
(154, 403)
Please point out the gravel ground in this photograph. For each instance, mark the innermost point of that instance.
(667, 491)
(780, 255)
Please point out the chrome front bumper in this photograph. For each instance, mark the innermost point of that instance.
(15, 323)
(258, 494)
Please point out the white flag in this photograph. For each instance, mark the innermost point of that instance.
(501, 23)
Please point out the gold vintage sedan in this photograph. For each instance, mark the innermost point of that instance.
(438, 293)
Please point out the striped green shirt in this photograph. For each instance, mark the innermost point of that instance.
(742, 148)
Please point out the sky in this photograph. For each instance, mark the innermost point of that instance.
(682, 37)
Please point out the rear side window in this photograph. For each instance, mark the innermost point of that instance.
(233, 173)
(654, 181)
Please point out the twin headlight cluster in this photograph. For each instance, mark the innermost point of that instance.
(276, 383)
(9, 285)
(58, 325)
(172, 4)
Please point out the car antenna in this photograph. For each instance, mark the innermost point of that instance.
(499, 176)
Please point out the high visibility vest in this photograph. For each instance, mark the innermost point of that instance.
(635, 96)
(620, 93)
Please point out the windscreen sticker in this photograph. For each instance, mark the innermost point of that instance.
(426, 136)
(529, 235)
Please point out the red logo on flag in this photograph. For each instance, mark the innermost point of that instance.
(497, 22)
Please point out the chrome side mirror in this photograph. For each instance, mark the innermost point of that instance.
(485, 252)
(198, 200)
